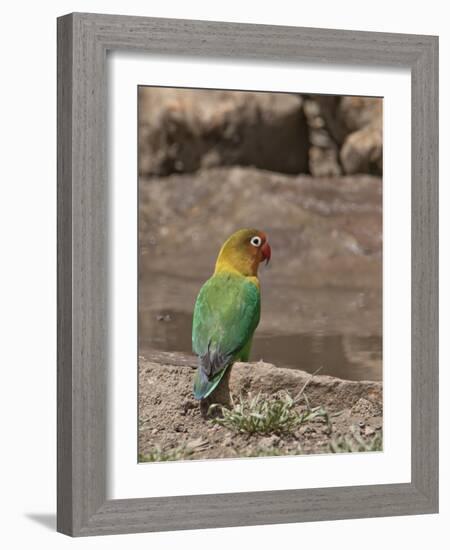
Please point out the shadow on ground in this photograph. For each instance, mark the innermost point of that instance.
(46, 520)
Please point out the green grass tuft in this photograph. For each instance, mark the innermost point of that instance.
(185, 452)
(159, 455)
(262, 452)
(356, 444)
(260, 415)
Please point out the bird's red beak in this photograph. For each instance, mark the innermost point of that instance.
(266, 252)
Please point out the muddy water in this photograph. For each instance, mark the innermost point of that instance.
(352, 357)
(321, 294)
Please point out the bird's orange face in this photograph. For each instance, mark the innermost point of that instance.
(258, 247)
(244, 251)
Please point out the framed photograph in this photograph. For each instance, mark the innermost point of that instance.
(247, 274)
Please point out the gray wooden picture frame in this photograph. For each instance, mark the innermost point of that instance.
(83, 42)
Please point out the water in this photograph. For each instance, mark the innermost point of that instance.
(352, 357)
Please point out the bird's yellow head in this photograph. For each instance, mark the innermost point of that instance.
(243, 252)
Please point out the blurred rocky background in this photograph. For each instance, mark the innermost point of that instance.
(183, 131)
(304, 168)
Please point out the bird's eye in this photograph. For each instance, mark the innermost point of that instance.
(256, 241)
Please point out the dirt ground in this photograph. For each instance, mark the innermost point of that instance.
(171, 425)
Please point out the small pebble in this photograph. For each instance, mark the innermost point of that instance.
(166, 318)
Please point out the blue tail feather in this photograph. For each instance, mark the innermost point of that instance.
(203, 386)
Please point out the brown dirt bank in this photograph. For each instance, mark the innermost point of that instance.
(170, 419)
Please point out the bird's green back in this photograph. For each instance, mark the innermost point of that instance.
(226, 315)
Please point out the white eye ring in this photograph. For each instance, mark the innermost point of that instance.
(256, 241)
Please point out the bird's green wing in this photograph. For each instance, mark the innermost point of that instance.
(226, 314)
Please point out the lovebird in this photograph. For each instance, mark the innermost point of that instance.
(227, 309)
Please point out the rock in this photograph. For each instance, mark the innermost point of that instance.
(324, 161)
(324, 150)
(332, 393)
(353, 126)
(362, 151)
(365, 408)
(185, 130)
(166, 318)
(356, 112)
